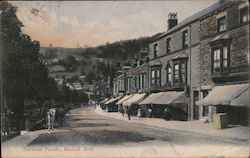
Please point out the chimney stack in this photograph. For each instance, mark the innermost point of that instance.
(172, 20)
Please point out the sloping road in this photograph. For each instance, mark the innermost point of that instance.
(87, 134)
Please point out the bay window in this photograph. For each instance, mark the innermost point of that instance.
(180, 72)
(220, 60)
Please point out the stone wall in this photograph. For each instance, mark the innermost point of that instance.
(239, 39)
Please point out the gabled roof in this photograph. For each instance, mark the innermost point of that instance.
(195, 17)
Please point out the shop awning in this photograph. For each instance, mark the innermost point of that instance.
(165, 98)
(103, 101)
(123, 99)
(227, 95)
(134, 99)
(171, 97)
(112, 100)
(150, 98)
(242, 100)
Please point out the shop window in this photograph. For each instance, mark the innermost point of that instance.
(220, 60)
(244, 17)
(222, 24)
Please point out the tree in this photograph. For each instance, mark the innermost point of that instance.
(25, 77)
(91, 76)
(50, 53)
(83, 71)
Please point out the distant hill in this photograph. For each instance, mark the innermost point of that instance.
(81, 61)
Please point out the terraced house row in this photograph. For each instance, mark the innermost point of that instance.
(195, 69)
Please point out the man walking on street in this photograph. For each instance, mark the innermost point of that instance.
(122, 111)
(129, 113)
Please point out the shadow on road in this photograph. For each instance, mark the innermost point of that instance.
(94, 137)
(93, 124)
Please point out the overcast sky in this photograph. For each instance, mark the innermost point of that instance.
(72, 23)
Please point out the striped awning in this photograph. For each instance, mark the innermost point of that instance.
(112, 100)
(165, 98)
(124, 98)
(134, 99)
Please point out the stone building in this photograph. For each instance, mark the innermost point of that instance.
(224, 56)
(192, 57)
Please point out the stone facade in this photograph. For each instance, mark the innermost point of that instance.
(137, 79)
(119, 85)
(237, 36)
(201, 38)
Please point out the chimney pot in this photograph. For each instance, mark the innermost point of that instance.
(172, 20)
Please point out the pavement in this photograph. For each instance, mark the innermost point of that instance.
(89, 132)
(236, 132)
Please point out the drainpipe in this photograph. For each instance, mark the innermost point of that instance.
(200, 68)
(190, 94)
(148, 78)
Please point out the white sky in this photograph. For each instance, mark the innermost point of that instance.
(72, 23)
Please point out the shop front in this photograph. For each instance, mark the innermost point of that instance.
(168, 105)
(232, 100)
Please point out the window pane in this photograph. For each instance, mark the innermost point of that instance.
(225, 52)
(184, 39)
(183, 73)
(225, 63)
(225, 57)
(155, 50)
(222, 24)
(169, 78)
(244, 15)
(168, 47)
(152, 74)
(157, 73)
(169, 69)
(216, 60)
(176, 72)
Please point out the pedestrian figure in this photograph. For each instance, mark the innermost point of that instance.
(139, 113)
(122, 111)
(51, 118)
(149, 112)
(166, 113)
(129, 113)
